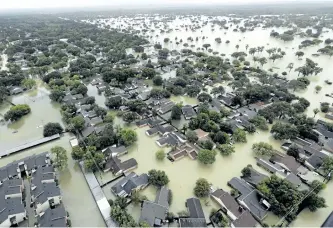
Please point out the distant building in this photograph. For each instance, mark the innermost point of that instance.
(129, 183)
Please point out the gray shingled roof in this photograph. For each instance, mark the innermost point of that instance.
(55, 217)
(162, 196)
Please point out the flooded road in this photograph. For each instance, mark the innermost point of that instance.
(76, 195)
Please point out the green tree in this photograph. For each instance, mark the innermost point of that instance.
(206, 156)
(129, 117)
(327, 166)
(239, 135)
(28, 83)
(226, 149)
(158, 80)
(260, 122)
(176, 112)
(191, 136)
(160, 155)
(316, 111)
(318, 88)
(262, 149)
(77, 153)
(16, 112)
(283, 131)
(78, 123)
(157, 178)
(127, 137)
(246, 172)
(59, 157)
(201, 188)
(52, 129)
(148, 73)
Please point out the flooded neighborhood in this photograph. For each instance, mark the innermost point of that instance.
(173, 117)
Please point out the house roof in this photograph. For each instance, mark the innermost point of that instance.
(162, 196)
(170, 139)
(316, 159)
(194, 207)
(55, 217)
(288, 161)
(255, 178)
(153, 213)
(229, 202)
(240, 185)
(130, 182)
(188, 111)
(200, 133)
(10, 206)
(268, 165)
(245, 220)
(161, 129)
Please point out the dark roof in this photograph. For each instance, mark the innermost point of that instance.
(255, 178)
(194, 207)
(229, 202)
(316, 160)
(153, 213)
(119, 149)
(288, 161)
(130, 182)
(161, 129)
(240, 185)
(245, 220)
(10, 206)
(162, 196)
(55, 217)
(188, 111)
(170, 139)
(271, 167)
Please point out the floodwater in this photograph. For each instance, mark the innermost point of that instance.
(184, 173)
(76, 195)
(29, 127)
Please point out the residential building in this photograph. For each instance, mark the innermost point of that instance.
(115, 151)
(196, 215)
(255, 177)
(239, 216)
(117, 167)
(171, 139)
(160, 130)
(182, 151)
(53, 217)
(154, 213)
(250, 198)
(188, 112)
(129, 183)
(151, 122)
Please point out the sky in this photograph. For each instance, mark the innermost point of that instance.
(25, 4)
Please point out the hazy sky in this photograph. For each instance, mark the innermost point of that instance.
(19, 4)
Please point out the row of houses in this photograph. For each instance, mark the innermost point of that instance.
(37, 176)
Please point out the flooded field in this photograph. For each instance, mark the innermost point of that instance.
(76, 195)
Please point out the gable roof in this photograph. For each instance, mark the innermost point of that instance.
(194, 207)
(229, 202)
(162, 196)
(245, 220)
(255, 178)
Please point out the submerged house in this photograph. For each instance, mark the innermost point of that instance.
(188, 112)
(182, 151)
(131, 182)
(250, 198)
(239, 216)
(154, 213)
(196, 215)
(171, 139)
(160, 130)
(118, 167)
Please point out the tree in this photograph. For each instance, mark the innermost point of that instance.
(206, 156)
(60, 157)
(283, 131)
(52, 129)
(100, 111)
(246, 172)
(262, 149)
(77, 123)
(157, 178)
(316, 111)
(158, 80)
(16, 112)
(327, 166)
(318, 88)
(191, 136)
(260, 122)
(78, 153)
(239, 136)
(226, 149)
(127, 137)
(57, 94)
(202, 188)
(324, 107)
(290, 66)
(218, 90)
(221, 137)
(160, 155)
(206, 46)
(137, 198)
(129, 117)
(293, 151)
(28, 83)
(204, 97)
(114, 102)
(148, 73)
(176, 112)
(299, 54)
(262, 61)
